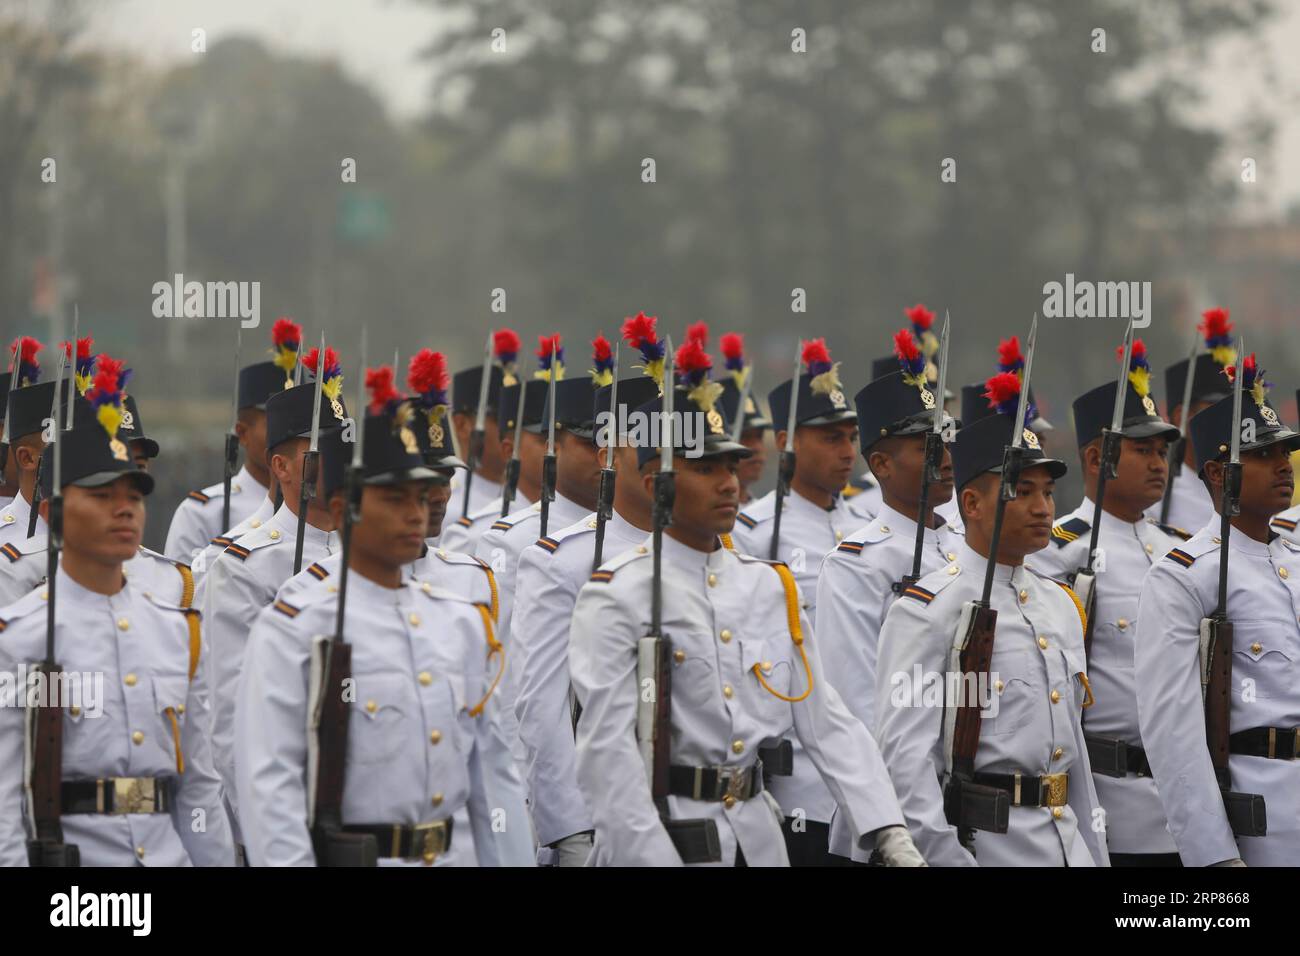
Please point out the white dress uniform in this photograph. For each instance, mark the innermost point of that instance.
(416, 752)
(482, 493)
(169, 581)
(808, 533)
(239, 584)
(725, 613)
(203, 560)
(155, 721)
(460, 574)
(463, 534)
(951, 514)
(863, 496)
(1135, 820)
(1284, 523)
(1263, 605)
(1036, 673)
(551, 573)
(197, 519)
(500, 547)
(1190, 506)
(14, 518)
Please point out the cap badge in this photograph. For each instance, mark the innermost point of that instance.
(927, 397)
(1031, 440)
(1268, 414)
(128, 420)
(837, 399)
(436, 434)
(1148, 404)
(337, 407)
(119, 450)
(715, 422)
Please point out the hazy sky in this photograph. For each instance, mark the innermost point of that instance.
(377, 40)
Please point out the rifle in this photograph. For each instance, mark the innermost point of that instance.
(309, 459)
(511, 484)
(1179, 447)
(13, 385)
(331, 673)
(1245, 811)
(696, 841)
(548, 463)
(933, 463)
(480, 423)
(967, 805)
(232, 440)
(605, 496)
(44, 723)
(785, 465)
(738, 426)
(1084, 580)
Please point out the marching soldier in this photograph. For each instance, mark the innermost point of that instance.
(489, 462)
(198, 518)
(744, 669)
(138, 784)
(245, 576)
(550, 574)
(1284, 523)
(1186, 599)
(1030, 759)
(568, 409)
(1130, 543)
(29, 406)
(8, 471)
(753, 425)
(1191, 385)
(820, 428)
(861, 578)
(424, 745)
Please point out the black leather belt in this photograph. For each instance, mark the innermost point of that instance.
(115, 795)
(423, 841)
(716, 783)
(1277, 743)
(1112, 757)
(1030, 790)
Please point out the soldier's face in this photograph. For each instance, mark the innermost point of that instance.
(394, 522)
(824, 454)
(1027, 523)
(1267, 481)
(493, 460)
(898, 462)
(1142, 472)
(751, 469)
(439, 495)
(532, 449)
(708, 494)
(577, 469)
(103, 524)
(250, 429)
(138, 456)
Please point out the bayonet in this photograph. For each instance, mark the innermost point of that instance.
(34, 512)
(512, 466)
(548, 463)
(480, 421)
(309, 459)
(786, 464)
(605, 494)
(933, 456)
(232, 438)
(1178, 448)
(72, 379)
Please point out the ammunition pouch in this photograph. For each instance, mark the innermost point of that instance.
(335, 847)
(53, 853)
(974, 806)
(1112, 757)
(1246, 813)
(777, 756)
(696, 841)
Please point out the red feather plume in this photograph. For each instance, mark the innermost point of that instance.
(691, 357)
(331, 359)
(905, 346)
(815, 351)
(505, 342)
(1009, 352)
(733, 345)
(379, 383)
(640, 330)
(1215, 323)
(426, 371)
(1002, 388)
(920, 316)
(601, 350)
(699, 332)
(285, 330)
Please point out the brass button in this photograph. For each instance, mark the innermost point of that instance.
(1216, 540)
(74, 710)
(435, 737)
(137, 738)
(274, 535)
(180, 709)
(45, 595)
(436, 800)
(426, 587)
(414, 619)
(952, 556)
(371, 707)
(1058, 753)
(1148, 548)
(725, 635)
(592, 524)
(1056, 697)
(9, 519)
(679, 656)
(728, 801)
(952, 569)
(1283, 573)
(1256, 647)
(129, 680)
(1122, 624)
(139, 853)
(255, 523)
(332, 588)
(1042, 642)
(1057, 813)
(123, 624)
(884, 528)
(713, 580)
(727, 691)
(640, 549)
(1024, 597)
(442, 552)
(737, 746)
(998, 685)
(839, 536)
(767, 667)
(425, 678)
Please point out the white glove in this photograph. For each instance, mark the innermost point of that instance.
(1235, 861)
(896, 846)
(573, 850)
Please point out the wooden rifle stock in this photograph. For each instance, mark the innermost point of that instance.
(604, 511)
(510, 487)
(228, 472)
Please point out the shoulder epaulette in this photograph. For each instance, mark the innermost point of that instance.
(1067, 531)
(464, 521)
(755, 559)
(924, 595)
(1180, 557)
(199, 496)
(850, 547)
(237, 550)
(605, 573)
(1173, 530)
(222, 541)
(11, 552)
(501, 525)
(1285, 524)
(287, 609)
(548, 544)
(317, 571)
(746, 520)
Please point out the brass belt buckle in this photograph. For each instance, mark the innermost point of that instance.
(1055, 790)
(432, 840)
(133, 795)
